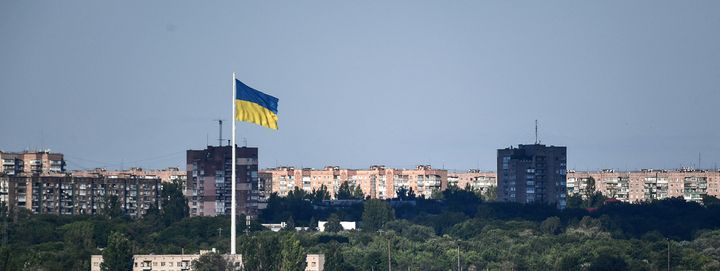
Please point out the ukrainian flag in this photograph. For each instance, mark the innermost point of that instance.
(255, 107)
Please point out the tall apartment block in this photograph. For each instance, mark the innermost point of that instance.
(646, 185)
(209, 186)
(532, 173)
(376, 182)
(32, 162)
(69, 195)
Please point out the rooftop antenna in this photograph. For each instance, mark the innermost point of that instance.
(219, 134)
(536, 132)
(699, 161)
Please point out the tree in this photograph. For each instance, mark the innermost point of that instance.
(292, 255)
(344, 191)
(334, 260)
(320, 194)
(289, 224)
(357, 192)
(112, 208)
(551, 225)
(117, 256)
(79, 245)
(261, 251)
(211, 262)
(312, 225)
(411, 194)
(589, 188)
(174, 203)
(490, 193)
(333, 224)
(375, 214)
(402, 193)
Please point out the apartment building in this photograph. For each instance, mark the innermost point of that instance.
(32, 162)
(377, 181)
(166, 175)
(647, 184)
(167, 262)
(532, 173)
(475, 179)
(209, 181)
(70, 195)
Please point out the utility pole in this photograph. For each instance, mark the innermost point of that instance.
(459, 258)
(668, 256)
(389, 259)
(220, 233)
(536, 132)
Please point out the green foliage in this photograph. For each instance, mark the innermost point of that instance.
(551, 225)
(319, 195)
(292, 255)
(261, 251)
(357, 192)
(495, 236)
(174, 204)
(333, 224)
(375, 214)
(118, 255)
(344, 191)
(112, 208)
(211, 262)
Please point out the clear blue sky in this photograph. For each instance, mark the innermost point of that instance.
(622, 84)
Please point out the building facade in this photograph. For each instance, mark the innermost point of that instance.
(532, 173)
(315, 262)
(208, 187)
(70, 195)
(376, 182)
(32, 162)
(475, 179)
(167, 262)
(166, 175)
(647, 184)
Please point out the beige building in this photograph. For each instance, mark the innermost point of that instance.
(166, 262)
(165, 175)
(315, 262)
(69, 195)
(32, 163)
(377, 181)
(646, 185)
(476, 179)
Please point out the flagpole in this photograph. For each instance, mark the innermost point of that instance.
(233, 207)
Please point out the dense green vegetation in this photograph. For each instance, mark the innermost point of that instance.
(421, 234)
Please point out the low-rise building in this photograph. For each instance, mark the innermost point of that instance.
(315, 262)
(167, 262)
(346, 225)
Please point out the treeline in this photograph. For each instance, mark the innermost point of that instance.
(456, 227)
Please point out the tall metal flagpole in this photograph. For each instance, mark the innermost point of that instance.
(232, 145)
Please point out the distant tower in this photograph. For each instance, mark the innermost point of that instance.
(532, 173)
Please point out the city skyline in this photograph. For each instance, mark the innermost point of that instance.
(622, 85)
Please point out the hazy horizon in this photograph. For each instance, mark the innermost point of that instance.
(624, 85)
